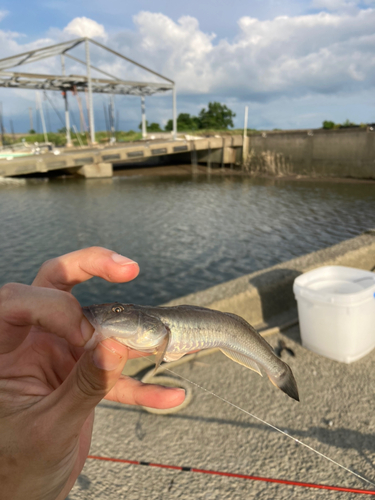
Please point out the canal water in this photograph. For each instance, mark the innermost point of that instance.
(186, 233)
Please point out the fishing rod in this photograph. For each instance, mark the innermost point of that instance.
(235, 475)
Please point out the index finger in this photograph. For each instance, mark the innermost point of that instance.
(72, 268)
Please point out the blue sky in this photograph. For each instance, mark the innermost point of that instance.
(294, 63)
(219, 16)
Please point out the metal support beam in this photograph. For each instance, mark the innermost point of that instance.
(91, 110)
(174, 113)
(67, 117)
(130, 60)
(92, 67)
(144, 125)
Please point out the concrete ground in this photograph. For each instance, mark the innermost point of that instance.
(335, 416)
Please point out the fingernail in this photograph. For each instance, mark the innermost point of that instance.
(178, 389)
(120, 259)
(86, 329)
(107, 356)
(175, 389)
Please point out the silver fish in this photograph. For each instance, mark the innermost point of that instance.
(171, 332)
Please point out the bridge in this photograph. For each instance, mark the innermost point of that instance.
(98, 161)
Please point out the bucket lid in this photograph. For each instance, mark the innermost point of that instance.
(336, 284)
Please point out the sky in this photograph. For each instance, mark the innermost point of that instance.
(293, 63)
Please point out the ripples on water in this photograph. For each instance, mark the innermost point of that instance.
(186, 234)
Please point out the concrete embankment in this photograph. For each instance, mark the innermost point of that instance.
(315, 153)
(262, 295)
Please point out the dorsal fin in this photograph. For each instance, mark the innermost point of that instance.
(242, 359)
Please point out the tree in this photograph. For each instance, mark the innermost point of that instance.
(217, 116)
(184, 122)
(151, 127)
(328, 124)
(348, 123)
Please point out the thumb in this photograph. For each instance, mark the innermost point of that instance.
(94, 375)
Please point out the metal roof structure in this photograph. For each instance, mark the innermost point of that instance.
(77, 83)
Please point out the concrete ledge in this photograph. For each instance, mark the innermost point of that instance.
(264, 294)
(96, 170)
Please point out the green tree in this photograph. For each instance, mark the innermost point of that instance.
(347, 123)
(184, 122)
(154, 127)
(328, 124)
(217, 116)
(151, 127)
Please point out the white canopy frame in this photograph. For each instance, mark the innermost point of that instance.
(81, 83)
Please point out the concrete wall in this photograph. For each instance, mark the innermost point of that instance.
(331, 153)
(262, 295)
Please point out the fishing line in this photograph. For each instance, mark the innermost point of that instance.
(272, 426)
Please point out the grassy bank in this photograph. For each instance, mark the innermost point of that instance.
(59, 139)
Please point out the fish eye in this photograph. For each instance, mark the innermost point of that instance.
(117, 309)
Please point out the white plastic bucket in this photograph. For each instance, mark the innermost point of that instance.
(336, 309)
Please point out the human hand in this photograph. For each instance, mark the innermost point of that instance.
(49, 385)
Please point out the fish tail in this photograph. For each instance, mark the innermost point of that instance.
(285, 381)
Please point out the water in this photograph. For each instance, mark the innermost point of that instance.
(187, 234)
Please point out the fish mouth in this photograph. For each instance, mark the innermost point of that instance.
(289, 386)
(285, 382)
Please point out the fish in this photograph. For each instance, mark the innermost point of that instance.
(172, 332)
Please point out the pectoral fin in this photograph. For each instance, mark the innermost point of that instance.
(173, 356)
(242, 360)
(160, 352)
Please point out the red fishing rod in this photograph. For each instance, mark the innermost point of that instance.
(237, 476)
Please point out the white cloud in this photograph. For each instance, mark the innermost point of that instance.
(82, 27)
(286, 58)
(3, 13)
(321, 53)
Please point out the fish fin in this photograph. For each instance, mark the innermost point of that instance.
(160, 352)
(173, 356)
(242, 360)
(242, 321)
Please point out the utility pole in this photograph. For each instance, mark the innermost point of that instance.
(174, 113)
(12, 130)
(90, 106)
(112, 119)
(144, 125)
(67, 117)
(39, 105)
(31, 118)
